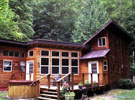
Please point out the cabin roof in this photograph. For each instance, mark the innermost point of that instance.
(96, 54)
(113, 27)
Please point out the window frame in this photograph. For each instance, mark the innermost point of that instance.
(105, 65)
(64, 65)
(74, 52)
(43, 55)
(55, 65)
(11, 65)
(55, 56)
(75, 66)
(29, 53)
(101, 42)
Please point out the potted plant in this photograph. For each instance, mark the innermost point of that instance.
(80, 85)
(65, 87)
(69, 96)
(86, 83)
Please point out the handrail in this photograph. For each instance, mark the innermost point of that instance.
(42, 77)
(64, 77)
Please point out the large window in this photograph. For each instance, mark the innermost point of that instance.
(102, 42)
(7, 66)
(44, 65)
(31, 53)
(55, 65)
(74, 66)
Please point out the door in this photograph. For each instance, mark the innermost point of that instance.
(94, 70)
(29, 70)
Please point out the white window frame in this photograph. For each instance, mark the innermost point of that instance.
(42, 55)
(101, 42)
(58, 57)
(105, 65)
(64, 65)
(75, 66)
(45, 65)
(74, 52)
(29, 53)
(11, 65)
(55, 56)
(65, 56)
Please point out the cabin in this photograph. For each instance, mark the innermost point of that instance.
(102, 59)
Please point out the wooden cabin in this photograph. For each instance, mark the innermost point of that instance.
(103, 58)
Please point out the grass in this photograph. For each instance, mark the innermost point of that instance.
(3, 94)
(116, 94)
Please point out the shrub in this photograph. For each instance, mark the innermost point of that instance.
(86, 82)
(126, 83)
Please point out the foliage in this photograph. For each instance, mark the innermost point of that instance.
(125, 83)
(23, 16)
(91, 17)
(69, 94)
(55, 20)
(8, 28)
(86, 82)
(80, 84)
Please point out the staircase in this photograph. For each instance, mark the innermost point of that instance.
(48, 94)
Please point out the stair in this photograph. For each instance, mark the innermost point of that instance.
(47, 94)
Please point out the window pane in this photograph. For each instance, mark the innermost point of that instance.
(44, 53)
(44, 61)
(65, 54)
(30, 53)
(5, 52)
(75, 70)
(105, 63)
(55, 53)
(55, 70)
(65, 62)
(7, 65)
(22, 55)
(7, 68)
(103, 40)
(16, 54)
(65, 70)
(74, 62)
(100, 43)
(44, 70)
(74, 54)
(31, 68)
(105, 67)
(11, 53)
(55, 61)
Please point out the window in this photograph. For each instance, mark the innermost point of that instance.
(94, 68)
(16, 54)
(102, 42)
(74, 54)
(5, 53)
(105, 65)
(74, 64)
(7, 66)
(65, 66)
(23, 55)
(65, 54)
(55, 65)
(55, 53)
(31, 53)
(11, 53)
(44, 53)
(44, 65)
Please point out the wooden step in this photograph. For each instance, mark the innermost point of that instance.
(44, 98)
(48, 92)
(49, 95)
(50, 89)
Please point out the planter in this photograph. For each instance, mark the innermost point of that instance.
(68, 97)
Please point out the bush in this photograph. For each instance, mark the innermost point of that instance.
(126, 83)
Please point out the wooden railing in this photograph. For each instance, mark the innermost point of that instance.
(70, 82)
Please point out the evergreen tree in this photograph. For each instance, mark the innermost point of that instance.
(91, 18)
(8, 28)
(23, 15)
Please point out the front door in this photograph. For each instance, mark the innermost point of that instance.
(29, 70)
(94, 70)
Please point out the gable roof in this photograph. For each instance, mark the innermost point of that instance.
(113, 27)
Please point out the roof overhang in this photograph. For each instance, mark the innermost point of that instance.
(95, 54)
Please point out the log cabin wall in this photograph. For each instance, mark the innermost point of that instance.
(118, 58)
(37, 57)
(15, 57)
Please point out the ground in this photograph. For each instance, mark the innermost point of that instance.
(116, 94)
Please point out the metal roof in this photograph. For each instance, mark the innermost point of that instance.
(96, 54)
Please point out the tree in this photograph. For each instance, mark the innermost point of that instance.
(91, 18)
(55, 20)
(23, 16)
(8, 28)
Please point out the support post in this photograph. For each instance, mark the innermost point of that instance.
(48, 81)
(92, 81)
(72, 82)
(69, 81)
(58, 90)
(83, 79)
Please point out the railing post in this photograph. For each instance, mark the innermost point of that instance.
(98, 79)
(72, 82)
(58, 90)
(69, 81)
(48, 80)
(92, 81)
(83, 79)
